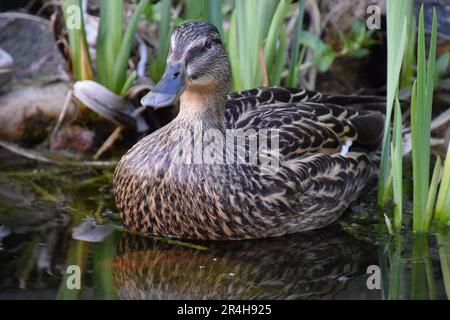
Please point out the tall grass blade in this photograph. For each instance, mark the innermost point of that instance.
(396, 30)
(196, 9)
(248, 48)
(158, 65)
(442, 211)
(397, 166)
(233, 50)
(121, 65)
(128, 83)
(432, 192)
(293, 79)
(409, 60)
(215, 14)
(79, 52)
(421, 124)
(279, 63)
(110, 32)
(273, 38)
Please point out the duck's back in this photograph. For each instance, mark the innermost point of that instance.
(309, 122)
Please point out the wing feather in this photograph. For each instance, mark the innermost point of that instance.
(307, 121)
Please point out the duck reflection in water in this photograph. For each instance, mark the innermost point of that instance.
(310, 265)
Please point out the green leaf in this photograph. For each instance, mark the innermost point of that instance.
(121, 66)
(432, 192)
(158, 64)
(245, 62)
(358, 30)
(323, 54)
(110, 32)
(128, 83)
(273, 37)
(359, 53)
(79, 51)
(396, 37)
(312, 41)
(196, 9)
(324, 58)
(421, 124)
(397, 166)
(278, 66)
(442, 210)
(293, 67)
(215, 17)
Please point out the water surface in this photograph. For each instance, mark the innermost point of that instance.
(40, 205)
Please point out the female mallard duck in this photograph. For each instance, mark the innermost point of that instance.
(160, 191)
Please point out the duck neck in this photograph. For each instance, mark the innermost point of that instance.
(204, 105)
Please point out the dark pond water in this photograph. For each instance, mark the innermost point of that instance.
(41, 205)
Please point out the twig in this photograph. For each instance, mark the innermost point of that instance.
(109, 142)
(168, 240)
(115, 135)
(62, 114)
(33, 155)
(29, 154)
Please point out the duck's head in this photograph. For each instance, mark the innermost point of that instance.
(197, 67)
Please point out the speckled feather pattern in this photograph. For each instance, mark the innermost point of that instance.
(311, 189)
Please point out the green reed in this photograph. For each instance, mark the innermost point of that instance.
(113, 47)
(425, 192)
(79, 51)
(421, 107)
(442, 211)
(396, 38)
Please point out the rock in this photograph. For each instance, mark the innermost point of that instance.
(31, 106)
(28, 113)
(6, 68)
(29, 40)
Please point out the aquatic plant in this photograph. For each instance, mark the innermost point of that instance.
(208, 10)
(421, 105)
(158, 61)
(79, 51)
(113, 45)
(397, 166)
(248, 55)
(442, 211)
(397, 28)
(293, 79)
(424, 191)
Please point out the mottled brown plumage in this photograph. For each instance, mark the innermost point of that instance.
(302, 266)
(316, 179)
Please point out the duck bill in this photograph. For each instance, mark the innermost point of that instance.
(168, 89)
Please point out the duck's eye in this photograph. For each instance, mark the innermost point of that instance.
(208, 43)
